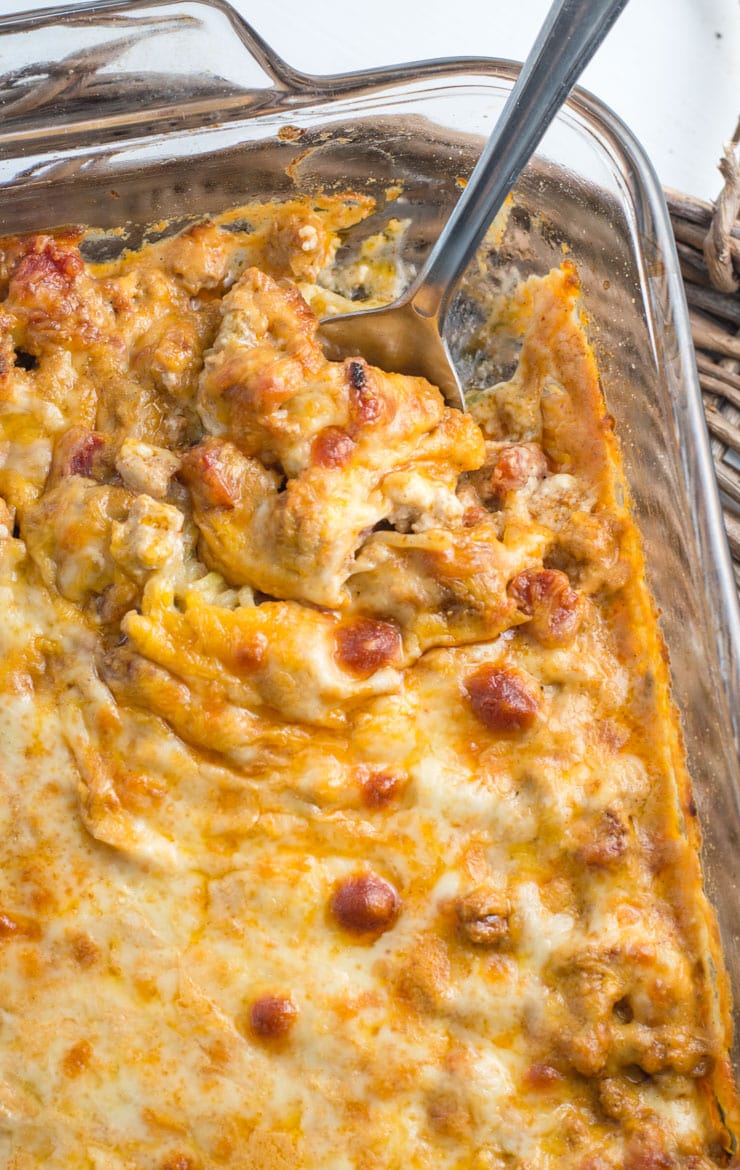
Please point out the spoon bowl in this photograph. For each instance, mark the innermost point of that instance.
(407, 337)
(396, 337)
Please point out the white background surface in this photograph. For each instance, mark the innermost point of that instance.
(670, 68)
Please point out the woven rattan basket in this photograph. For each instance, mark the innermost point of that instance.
(708, 242)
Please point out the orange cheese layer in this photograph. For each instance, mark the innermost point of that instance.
(344, 818)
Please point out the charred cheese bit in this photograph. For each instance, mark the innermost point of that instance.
(344, 818)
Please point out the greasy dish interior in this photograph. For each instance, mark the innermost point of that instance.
(345, 822)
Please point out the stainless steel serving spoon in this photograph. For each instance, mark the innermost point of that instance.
(408, 336)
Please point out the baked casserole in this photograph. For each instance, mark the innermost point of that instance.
(346, 816)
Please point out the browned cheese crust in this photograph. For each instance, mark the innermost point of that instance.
(345, 817)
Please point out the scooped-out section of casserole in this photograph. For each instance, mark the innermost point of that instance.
(345, 823)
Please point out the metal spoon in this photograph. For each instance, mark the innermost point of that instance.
(407, 336)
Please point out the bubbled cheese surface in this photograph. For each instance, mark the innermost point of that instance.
(344, 819)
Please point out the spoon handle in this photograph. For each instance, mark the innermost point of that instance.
(570, 36)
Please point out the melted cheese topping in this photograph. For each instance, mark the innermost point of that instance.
(345, 823)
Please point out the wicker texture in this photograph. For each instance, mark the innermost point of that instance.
(708, 242)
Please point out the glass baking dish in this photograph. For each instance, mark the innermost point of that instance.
(144, 115)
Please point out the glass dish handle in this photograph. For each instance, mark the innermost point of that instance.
(118, 64)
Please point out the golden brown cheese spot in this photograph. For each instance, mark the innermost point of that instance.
(77, 1058)
(270, 1150)
(168, 356)
(365, 904)
(332, 447)
(265, 352)
(542, 1076)
(424, 976)
(271, 1017)
(483, 916)
(365, 645)
(381, 788)
(448, 1114)
(555, 611)
(85, 951)
(467, 555)
(18, 926)
(501, 699)
(210, 469)
(249, 653)
(606, 843)
(178, 1162)
(137, 792)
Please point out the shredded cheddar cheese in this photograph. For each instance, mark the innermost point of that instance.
(345, 823)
